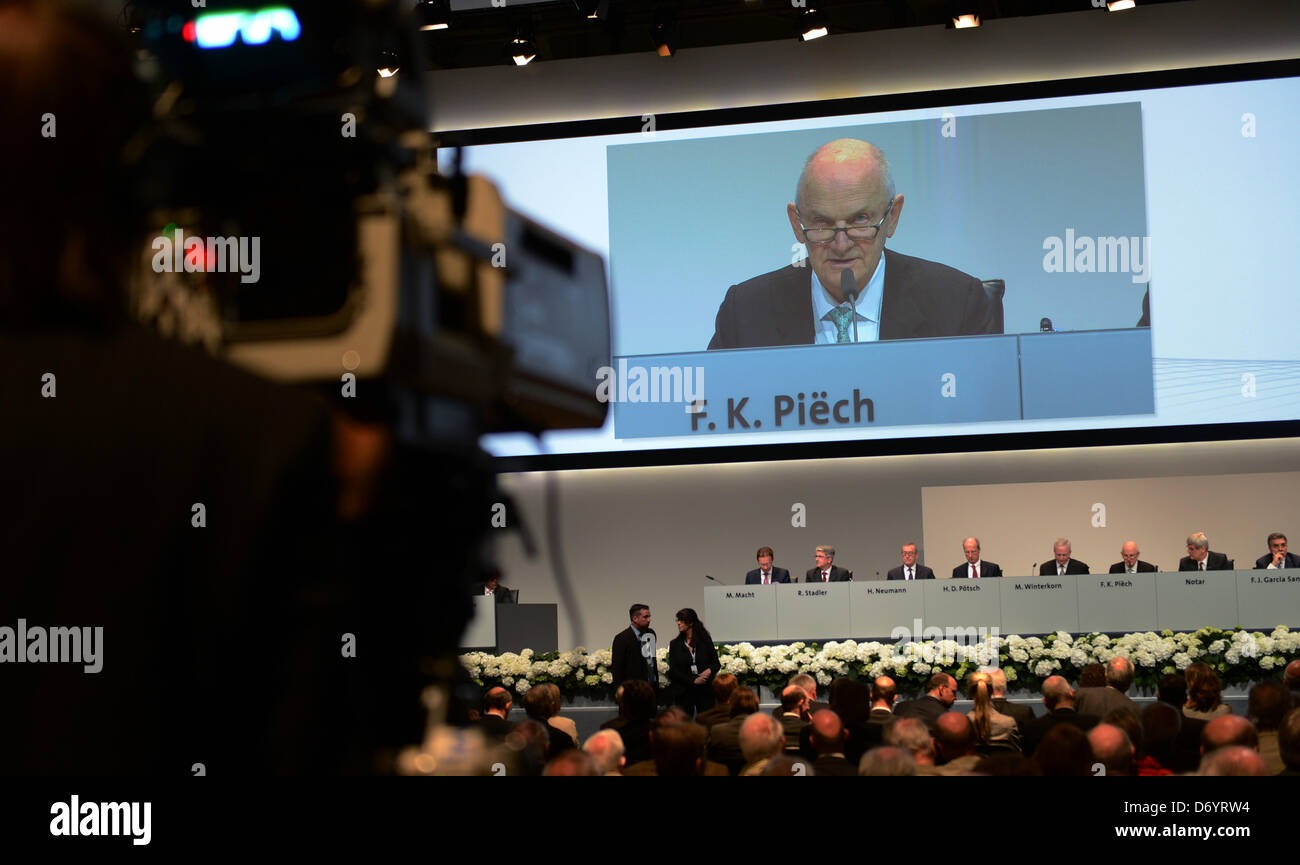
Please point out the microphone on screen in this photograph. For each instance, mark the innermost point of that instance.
(707, 577)
(849, 291)
(1045, 326)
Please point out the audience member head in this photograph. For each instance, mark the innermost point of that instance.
(1119, 673)
(542, 702)
(1112, 748)
(979, 687)
(678, 749)
(1291, 676)
(497, 700)
(883, 693)
(852, 702)
(1203, 687)
(743, 702)
(1057, 693)
(1288, 740)
(1172, 690)
(761, 737)
(671, 715)
(911, 735)
(808, 683)
(954, 736)
(1161, 724)
(724, 686)
(943, 688)
(1128, 721)
(1092, 676)
(1064, 751)
(827, 734)
(572, 763)
(794, 700)
(1232, 760)
(887, 761)
(1227, 730)
(607, 750)
(638, 700)
(999, 678)
(530, 740)
(1269, 703)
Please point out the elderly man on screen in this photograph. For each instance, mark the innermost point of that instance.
(845, 208)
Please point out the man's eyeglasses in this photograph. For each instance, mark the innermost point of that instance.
(857, 232)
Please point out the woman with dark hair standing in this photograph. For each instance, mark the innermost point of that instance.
(692, 664)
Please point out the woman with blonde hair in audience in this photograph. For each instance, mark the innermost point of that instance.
(991, 726)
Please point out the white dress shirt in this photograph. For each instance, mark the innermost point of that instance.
(868, 306)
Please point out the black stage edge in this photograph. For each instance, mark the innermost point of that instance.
(209, 815)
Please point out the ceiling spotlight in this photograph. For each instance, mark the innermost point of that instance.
(1120, 5)
(962, 22)
(665, 33)
(388, 64)
(812, 25)
(433, 14)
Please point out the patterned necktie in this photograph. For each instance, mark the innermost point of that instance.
(842, 316)
(909, 572)
(1202, 564)
(765, 579)
(974, 574)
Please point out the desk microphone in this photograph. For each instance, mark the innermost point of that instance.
(707, 577)
(849, 290)
(1045, 326)
(1033, 569)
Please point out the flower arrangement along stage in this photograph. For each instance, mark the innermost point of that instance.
(1238, 656)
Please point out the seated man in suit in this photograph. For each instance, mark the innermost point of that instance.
(845, 208)
(1058, 697)
(909, 569)
(794, 715)
(1063, 565)
(827, 741)
(765, 574)
(1277, 557)
(495, 722)
(974, 568)
(1099, 701)
(491, 586)
(940, 693)
(824, 569)
(723, 687)
(1199, 556)
(1131, 563)
(1021, 713)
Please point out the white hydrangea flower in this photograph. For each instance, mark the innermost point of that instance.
(1063, 637)
(1182, 660)
(1079, 658)
(921, 668)
(1216, 647)
(522, 686)
(1266, 662)
(607, 678)
(1019, 655)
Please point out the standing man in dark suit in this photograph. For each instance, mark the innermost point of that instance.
(909, 569)
(941, 692)
(845, 208)
(633, 651)
(1063, 565)
(765, 574)
(1130, 563)
(1021, 713)
(974, 569)
(1199, 556)
(1058, 697)
(1277, 557)
(824, 569)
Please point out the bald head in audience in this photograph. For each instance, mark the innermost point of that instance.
(1228, 730)
(827, 734)
(1057, 693)
(1233, 760)
(572, 763)
(1112, 748)
(887, 762)
(954, 736)
(761, 737)
(607, 749)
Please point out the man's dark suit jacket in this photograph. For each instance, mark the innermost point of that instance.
(755, 577)
(987, 570)
(1292, 561)
(1040, 727)
(494, 726)
(926, 709)
(1022, 714)
(626, 662)
(1099, 701)
(1142, 567)
(724, 744)
(1073, 567)
(834, 767)
(922, 299)
(922, 573)
(636, 737)
(838, 575)
(1213, 562)
(719, 713)
(502, 594)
